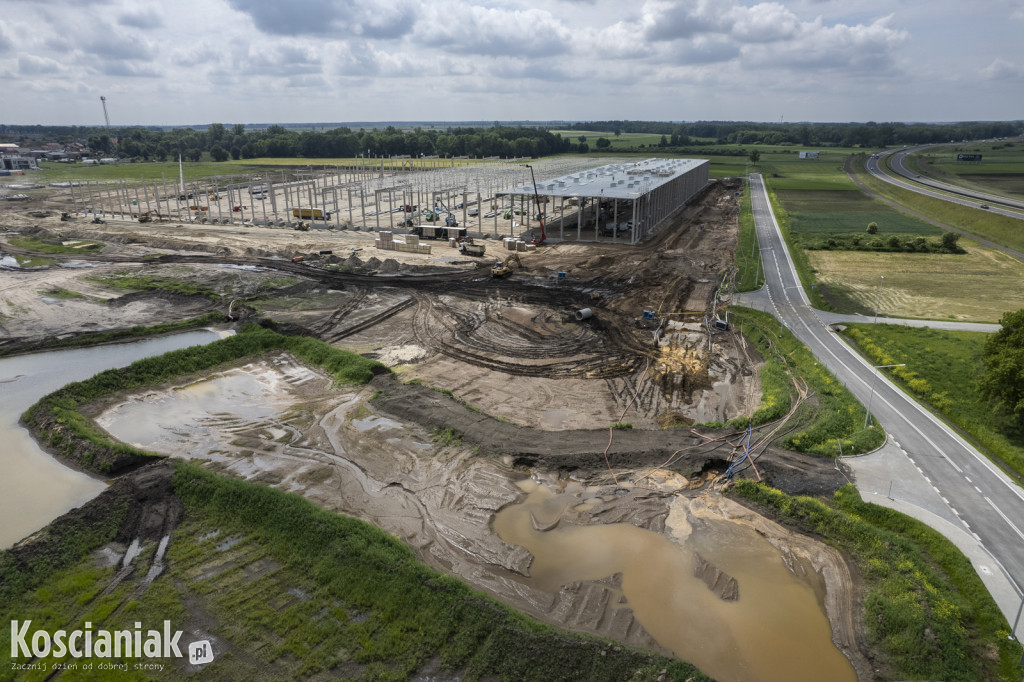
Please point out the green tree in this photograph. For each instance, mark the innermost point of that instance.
(1003, 382)
(219, 153)
(582, 139)
(872, 228)
(603, 143)
(755, 156)
(949, 241)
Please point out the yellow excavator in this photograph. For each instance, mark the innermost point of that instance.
(505, 267)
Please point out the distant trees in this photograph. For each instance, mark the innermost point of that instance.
(872, 228)
(1003, 383)
(755, 156)
(950, 241)
(603, 143)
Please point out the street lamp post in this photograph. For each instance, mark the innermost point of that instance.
(867, 413)
(878, 295)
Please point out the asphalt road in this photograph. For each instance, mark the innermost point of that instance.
(956, 194)
(976, 497)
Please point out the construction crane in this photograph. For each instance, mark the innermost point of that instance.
(540, 210)
(106, 117)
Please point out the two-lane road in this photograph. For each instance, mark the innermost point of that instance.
(981, 498)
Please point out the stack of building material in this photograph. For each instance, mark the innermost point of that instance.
(411, 244)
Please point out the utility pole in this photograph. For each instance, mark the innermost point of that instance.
(867, 411)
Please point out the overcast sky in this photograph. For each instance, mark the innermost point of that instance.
(183, 62)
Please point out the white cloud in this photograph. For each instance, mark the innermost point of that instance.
(30, 65)
(342, 18)
(1002, 70)
(145, 19)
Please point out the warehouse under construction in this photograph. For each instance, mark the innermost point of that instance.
(619, 202)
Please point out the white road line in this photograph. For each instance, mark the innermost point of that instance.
(1008, 521)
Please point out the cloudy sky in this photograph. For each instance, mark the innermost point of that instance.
(183, 62)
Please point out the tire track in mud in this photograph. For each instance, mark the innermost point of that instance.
(493, 341)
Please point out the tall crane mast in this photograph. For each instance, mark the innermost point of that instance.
(103, 99)
(540, 209)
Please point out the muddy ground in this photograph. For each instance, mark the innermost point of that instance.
(533, 391)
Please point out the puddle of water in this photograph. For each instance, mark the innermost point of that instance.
(161, 421)
(776, 630)
(36, 488)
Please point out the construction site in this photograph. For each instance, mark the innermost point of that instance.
(553, 300)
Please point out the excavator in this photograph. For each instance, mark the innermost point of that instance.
(505, 267)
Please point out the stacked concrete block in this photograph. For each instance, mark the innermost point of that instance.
(410, 244)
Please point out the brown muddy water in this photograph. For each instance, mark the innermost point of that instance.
(776, 630)
(245, 419)
(35, 487)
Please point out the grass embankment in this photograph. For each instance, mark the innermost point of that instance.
(46, 246)
(95, 338)
(294, 591)
(137, 282)
(925, 607)
(942, 368)
(748, 252)
(833, 418)
(57, 421)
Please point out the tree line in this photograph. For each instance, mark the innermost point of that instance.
(222, 142)
(870, 134)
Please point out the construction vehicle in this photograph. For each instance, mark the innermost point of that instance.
(469, 248)
(449, 219)
(311, 214)
(540, 216)
(505, 267)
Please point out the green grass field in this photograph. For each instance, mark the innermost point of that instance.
(941, 370)
(828, 212)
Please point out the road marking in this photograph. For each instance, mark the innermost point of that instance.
(1008, 521)
(978, 489)
(968, 478)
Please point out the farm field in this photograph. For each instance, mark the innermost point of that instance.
(978, 286)
(828, 212)
(942, 368)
